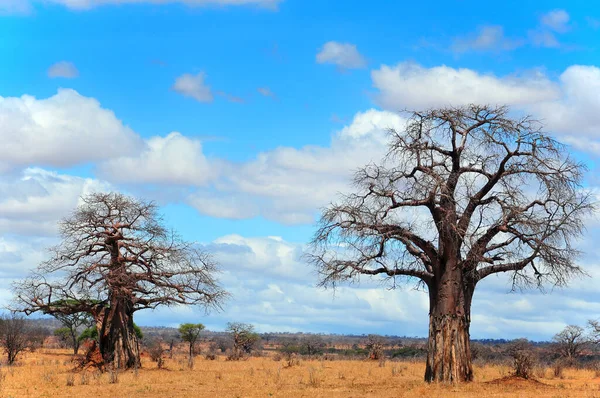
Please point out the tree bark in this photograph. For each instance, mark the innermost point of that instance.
(118, 342)
(449, 350)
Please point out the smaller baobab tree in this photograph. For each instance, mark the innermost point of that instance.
(463, 193)
(116, 257)
(244, 339)
(375, 346)
(570, 342)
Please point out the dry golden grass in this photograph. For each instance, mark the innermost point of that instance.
(48, 373)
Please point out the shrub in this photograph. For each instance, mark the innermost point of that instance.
(524, 359)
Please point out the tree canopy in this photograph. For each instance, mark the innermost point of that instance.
(463, 193)
(116, 257)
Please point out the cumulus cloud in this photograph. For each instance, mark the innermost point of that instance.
(575, 112)
(32, 201)
(63, 69)
(289, 184)
(409, 85)
(274, 289)
(270, 256)
(193, 86)
(344, 55)
(567, 107)
(62, 130)
(224, 205)
(488, 38)
(285, 184)
(173, 159)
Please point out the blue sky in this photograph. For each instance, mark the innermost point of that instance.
(243, 118)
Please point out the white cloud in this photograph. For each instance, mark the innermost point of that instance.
(556, 20)
(344, 55)
(32, 202)
(289, 184)
(63, 69)
(575, 113)
(274, 289)
(568, 107)
(174, 159)
(63, 130)
(409, 85)
(272, 257)
(487, 38)
(193, 86)
(224, 205)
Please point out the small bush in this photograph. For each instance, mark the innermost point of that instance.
(156, 352)
(524, 359)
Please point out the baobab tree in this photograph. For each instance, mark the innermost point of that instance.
(244, 339)
(462, 194)
(571, 341)
(116, 257)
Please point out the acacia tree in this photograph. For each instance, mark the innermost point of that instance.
(463, 193)
(116, 257)
(72, 326)
(190, 332)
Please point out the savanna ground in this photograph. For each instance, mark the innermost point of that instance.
(47, 373)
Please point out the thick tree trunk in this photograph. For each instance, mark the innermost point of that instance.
(449, 350)
(118, 342)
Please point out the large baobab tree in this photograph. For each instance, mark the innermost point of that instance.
(463, 193)
(116, 257)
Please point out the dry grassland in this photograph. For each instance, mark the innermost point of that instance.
(47, 373)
